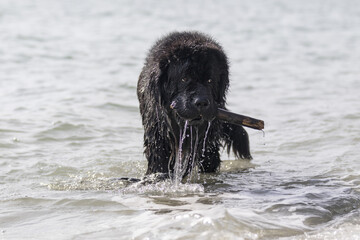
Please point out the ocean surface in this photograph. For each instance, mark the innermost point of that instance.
(70, 123)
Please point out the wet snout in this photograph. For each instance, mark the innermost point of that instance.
(204, 106)
(201, 103)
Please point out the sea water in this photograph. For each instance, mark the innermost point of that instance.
(70, 123)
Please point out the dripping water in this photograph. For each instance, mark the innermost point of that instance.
(204, 143)
(186, 161)
(178, 162)
(263, 140)
(192, 170)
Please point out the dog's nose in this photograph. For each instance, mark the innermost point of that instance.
(201, 103)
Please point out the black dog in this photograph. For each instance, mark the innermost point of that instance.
(182, 84)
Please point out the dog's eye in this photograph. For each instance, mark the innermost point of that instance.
(209, 81)
(184, 80)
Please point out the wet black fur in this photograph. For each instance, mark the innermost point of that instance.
(177, 56)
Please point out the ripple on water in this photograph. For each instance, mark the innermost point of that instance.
(318, 201)
(118, 107)
(61, 131)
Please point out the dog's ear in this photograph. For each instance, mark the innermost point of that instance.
(237, 139)
(157, 81)
(163, 84)
(221, 64)
(223, 86)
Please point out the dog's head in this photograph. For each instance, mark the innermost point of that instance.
(194, 84)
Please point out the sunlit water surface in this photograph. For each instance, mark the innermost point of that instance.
(70, 124)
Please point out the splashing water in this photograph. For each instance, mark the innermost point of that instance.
(165, 187)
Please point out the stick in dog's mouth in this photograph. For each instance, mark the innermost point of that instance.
(238, 119)
(233, 118)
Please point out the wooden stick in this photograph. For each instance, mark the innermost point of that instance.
(238, 119)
